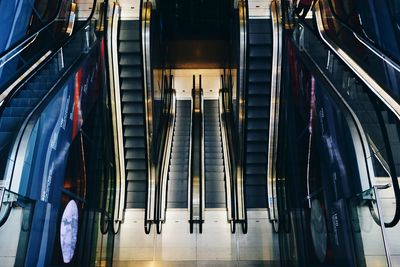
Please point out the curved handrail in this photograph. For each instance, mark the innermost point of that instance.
(11, 90)
(360, 142)
(196, 195)
(145, 19)
(241, 211)
(21, 44)
(26, 126)
(230, 197)
(190, 182)
(368, 44)
(162, 198)
(115, 99)
(274, 113)
(356, 68)
(370, 171)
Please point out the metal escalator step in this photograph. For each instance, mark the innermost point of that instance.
(130, 61)
(15, 111)
(130, 108)
(261, 113)
(23, 102)
(5, 137)
(178, 184)
(256, 179)
(128, 35)
(260, 38)
(138, 153)
(214, 168)
(128, 47)
(135, 165)
(133, 131)
(257, 125)
(135, 205)
(213, 177)
(134, 143)
(261, 147)
(256, 169)
(213, 156)
(178, 175)
(133, 96)
(9, 123)
(137, 186)
(256, 159)
(179, 155)
(183, 161)
(264, 52)
(177, 168)
(136, 175)
(176, 196)
(259, 89)
(130, 72)
(213, 148)
(259, 100)
(260, 26)
(259, 76)
(214, 161)
(131, 84)
(131, 25)
(133, 119)
(257, 136)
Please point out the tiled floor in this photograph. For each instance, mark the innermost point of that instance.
(216, 246)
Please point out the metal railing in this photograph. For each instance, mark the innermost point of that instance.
(162, 195)
(196, 178)
(274, 113)
(145, 19)
(229, 179)
(115, 99)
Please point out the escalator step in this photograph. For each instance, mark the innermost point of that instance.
(133, 131)
(130, 61)
(128, 35)
(260, 26)
(132, 109)
(23, 102)
(9, 123)
(131, 84)
(130, 72)
(5, 137)
(15, 111)
(133, 96)
(134, 143)
(135, 165)
(128, 47)
(133, 119)
(136, 175)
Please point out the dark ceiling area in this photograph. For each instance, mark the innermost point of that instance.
(196, 32)
(196, 19)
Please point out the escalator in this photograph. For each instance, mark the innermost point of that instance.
(339, 163)
(213, 157)
(257, 114)
(16, 110)
(179, 159)
(133, 113)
